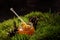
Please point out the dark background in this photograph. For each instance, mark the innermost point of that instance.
(23, 7)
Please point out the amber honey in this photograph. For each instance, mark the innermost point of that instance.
(26, 29)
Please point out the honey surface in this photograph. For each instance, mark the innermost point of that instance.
(26, 29)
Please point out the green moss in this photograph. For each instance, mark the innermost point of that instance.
(48, 27)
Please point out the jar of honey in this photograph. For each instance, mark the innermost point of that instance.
(26, 29)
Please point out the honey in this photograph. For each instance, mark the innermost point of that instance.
(26, 29)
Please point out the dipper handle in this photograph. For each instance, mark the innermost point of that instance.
(17, 15)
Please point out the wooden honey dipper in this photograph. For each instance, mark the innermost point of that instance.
(24, 23)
